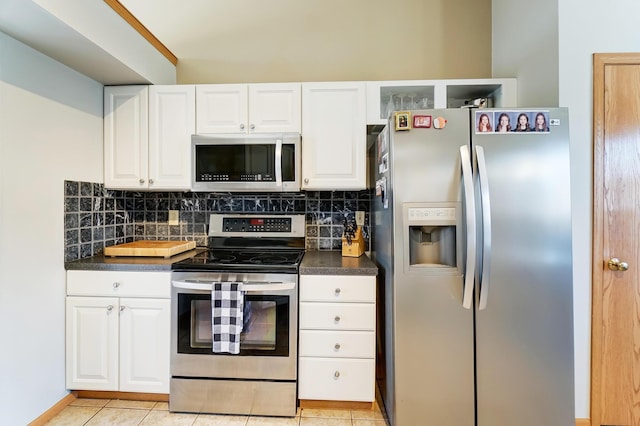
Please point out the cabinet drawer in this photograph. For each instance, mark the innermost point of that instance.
(338, 288)
(337, 344)
(336, 379)
(337, 316)
(119, 283)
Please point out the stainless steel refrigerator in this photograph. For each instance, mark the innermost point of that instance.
(472, 235)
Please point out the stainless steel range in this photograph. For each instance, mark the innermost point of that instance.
(262, 253)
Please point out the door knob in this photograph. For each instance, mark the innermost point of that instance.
(616, 265)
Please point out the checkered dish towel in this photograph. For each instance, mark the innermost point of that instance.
(227, 301)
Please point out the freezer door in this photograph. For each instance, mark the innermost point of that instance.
(432, 333)
(524, 334)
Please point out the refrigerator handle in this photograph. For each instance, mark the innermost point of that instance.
(470, 209)
(486, 228)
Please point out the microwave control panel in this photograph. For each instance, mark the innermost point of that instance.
(257, 224)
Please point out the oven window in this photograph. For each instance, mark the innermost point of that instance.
(265, 331)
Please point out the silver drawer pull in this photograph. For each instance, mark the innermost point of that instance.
(116, 284)
(337, 318)
(337, 346)
(109, 308)
(122, 308)
(337, 292)
(336, 374)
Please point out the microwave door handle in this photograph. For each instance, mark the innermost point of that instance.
(279, 162)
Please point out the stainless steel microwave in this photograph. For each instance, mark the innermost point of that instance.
(249, 163)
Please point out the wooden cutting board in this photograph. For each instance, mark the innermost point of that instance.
(150, 248)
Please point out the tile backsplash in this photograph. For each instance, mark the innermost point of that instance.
(96, 217)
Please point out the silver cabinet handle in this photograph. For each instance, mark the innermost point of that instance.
(109, 308)
(306, 180)
(150, 181)
(122, 307)
(336, 374)
(242, 126)
(141, 181)
(252, 127)
(337, 318)
(337, 346)
(116, 284)
(337, 291)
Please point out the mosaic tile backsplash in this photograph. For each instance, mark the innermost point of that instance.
(96, 217)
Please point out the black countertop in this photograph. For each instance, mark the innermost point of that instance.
(333, 263)
(313, 263)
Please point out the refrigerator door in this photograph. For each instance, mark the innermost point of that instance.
(524, 336)
(431, 331)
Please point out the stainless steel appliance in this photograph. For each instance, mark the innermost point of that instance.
(472, 235)
(254, 162)
(263, 253)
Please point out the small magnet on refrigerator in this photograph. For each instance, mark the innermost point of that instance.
(439, 122)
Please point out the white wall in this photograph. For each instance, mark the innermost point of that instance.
(525, 45)
(50, 130)
(585, 27)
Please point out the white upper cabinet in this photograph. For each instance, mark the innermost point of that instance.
(172, 121)
(147, 136)
(384, 97)
(334, 136)
(126, 138)
(248, 108)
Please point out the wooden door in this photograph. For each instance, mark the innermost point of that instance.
(615, 381)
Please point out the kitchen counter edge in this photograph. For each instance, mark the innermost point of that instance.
(333, 263)
(128, 263)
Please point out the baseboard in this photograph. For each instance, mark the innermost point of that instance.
(583, 422)
(54, 410)
(336, 405)
(132, 396)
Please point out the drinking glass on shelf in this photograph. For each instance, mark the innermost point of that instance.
(411, 103)
(390, 107)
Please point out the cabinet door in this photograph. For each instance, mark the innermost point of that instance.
(333, 136)
(275, 108)
(144, 345)
(221, 108)
(172, 121)
(126, 136)
(92, 343)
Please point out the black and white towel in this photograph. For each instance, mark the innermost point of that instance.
(227, 316)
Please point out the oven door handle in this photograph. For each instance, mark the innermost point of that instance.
(247, 286)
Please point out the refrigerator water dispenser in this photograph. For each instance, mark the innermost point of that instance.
(431, 237)
(433, 245)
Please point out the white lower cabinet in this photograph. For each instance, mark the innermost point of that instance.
(337, 338)
(115, 342)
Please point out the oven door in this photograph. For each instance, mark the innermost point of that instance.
(246, 162)
(268, 345)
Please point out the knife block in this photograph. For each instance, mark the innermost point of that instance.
(356, 248)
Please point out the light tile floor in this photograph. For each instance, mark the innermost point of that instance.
(92, 412)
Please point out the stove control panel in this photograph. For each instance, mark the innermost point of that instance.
(256, 224)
